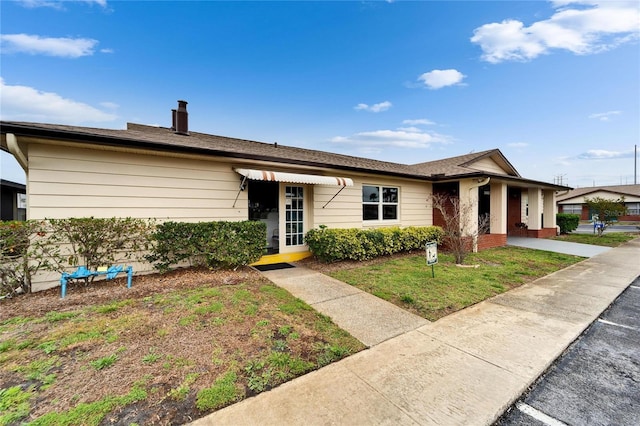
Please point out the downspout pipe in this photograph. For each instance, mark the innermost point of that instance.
(480, 183)
(14, 149)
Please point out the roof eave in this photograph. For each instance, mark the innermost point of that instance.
(515, 179)
(128, 142)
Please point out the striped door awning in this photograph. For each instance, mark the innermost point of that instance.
(294, 177)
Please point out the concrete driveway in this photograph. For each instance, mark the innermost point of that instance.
(576, 249)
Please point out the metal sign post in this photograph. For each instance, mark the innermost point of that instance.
(432, 255)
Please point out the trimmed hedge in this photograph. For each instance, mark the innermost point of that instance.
(57, 245)
(567, 222)
(331, 245)
(212, 244)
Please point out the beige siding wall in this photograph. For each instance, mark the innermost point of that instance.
(71, 181)
(77, 182)
(345, 211)
(488, 165)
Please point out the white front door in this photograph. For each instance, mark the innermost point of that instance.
(294, 216)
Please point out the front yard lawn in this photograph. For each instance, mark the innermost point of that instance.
(406, 280)
(169, 350)
(609, 239)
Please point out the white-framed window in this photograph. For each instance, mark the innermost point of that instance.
(379, 203)
(572, 208)
(633, 209)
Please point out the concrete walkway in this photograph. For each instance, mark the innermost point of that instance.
(576, 249)
(366, 317)
(466, 368)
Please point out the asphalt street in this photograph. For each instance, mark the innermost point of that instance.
(596, 381)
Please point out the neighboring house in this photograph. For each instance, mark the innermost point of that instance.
(13, 200)
(176, 174)
(573, 201)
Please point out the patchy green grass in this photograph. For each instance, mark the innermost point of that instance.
(407, 281)
(14, 404)
(174, 354)
(92, 413)
(223, 392)
(104, 362)
(610, 239)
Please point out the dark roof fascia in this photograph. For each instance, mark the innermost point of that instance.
(20, 129)
(57, 134)
(13, 185)
(515, 179)
(479, 156)
(535, 183)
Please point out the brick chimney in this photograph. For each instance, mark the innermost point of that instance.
(180, 119)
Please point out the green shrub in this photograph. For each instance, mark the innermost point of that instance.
(567, 222)
(95, 242)
(22, 254)
(61, 244)
(211, 244)
(331, 245)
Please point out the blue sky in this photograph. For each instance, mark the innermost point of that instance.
(555, 85)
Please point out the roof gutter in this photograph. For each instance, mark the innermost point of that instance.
(16, 151)
(104, 140)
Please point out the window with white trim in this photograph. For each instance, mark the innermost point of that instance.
(572, 208)
(379, 203)
(633, 209)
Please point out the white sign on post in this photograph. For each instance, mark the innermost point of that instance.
(432, 253)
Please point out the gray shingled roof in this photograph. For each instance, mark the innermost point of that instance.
(164, 138)
(463, 164)
(617, 190)
(161, 138)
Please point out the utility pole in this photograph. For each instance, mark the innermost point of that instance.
(559, 179)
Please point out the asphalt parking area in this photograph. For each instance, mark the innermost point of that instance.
(597, 380)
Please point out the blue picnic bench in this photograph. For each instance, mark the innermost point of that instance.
(83, 273)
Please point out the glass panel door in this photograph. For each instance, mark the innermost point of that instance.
(294, 219)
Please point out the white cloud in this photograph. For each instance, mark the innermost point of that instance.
(379, 107)
(603, 154)
(517, 144)
(438, 79)
(23, 103)
(50, 46)
(405, 137)
(418, 122)
(604, 116)
(109, 105)
(579, 26)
